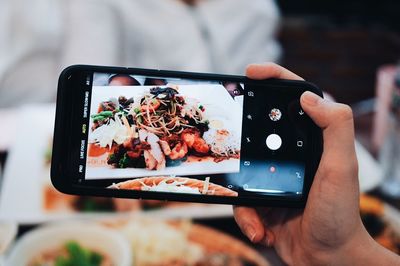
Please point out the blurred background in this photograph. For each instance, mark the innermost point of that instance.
(349, 49)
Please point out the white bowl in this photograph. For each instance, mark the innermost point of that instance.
(8, 231)
(89, 235)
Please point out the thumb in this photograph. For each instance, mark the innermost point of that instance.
(336, 121)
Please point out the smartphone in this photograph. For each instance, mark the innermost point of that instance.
(180, 136)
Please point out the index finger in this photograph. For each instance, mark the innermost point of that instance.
(249, 222)
(270, 70)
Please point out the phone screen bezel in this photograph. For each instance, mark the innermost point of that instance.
(68, 114)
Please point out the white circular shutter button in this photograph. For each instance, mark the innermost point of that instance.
(273, 142)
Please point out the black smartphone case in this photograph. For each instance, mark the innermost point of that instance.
(61, 177)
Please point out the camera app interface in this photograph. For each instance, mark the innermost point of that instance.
(201, 137)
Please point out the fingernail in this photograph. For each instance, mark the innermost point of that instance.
(269, 238)
(269, 241)
(311, 98)
(250, 232)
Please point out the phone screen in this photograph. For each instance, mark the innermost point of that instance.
(193, 136)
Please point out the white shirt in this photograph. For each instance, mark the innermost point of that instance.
(39, 38)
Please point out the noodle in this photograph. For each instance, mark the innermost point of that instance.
(166, 116)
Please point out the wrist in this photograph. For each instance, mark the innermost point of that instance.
(360, 249)
(366, 251)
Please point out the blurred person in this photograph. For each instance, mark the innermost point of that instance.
(122, 80)
(329, 230)
(39, 38)
(155, 81)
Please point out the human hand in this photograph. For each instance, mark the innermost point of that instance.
(330, 226)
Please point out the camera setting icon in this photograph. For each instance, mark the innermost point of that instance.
(275, 114)
(299, 143)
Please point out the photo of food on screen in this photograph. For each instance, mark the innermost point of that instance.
(164, 135)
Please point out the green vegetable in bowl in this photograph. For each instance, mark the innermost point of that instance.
(78, 256)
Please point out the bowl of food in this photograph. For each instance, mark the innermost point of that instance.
(65, 244)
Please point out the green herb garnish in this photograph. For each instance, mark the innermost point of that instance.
(102, 115)
(124, 162)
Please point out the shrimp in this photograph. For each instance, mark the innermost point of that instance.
(191, 137)
(201, 146)
(174, 147)
(179, 151)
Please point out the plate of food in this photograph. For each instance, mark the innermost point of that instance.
(175, 185)
(193, 244)
(142, 130)
(382, 222)
(27, 173)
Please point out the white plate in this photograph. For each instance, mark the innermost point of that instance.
(8, 232)
(21, 195)
(217, 103)
(7, 128)
(21, 190)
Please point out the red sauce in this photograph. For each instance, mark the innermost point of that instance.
(193, 158)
